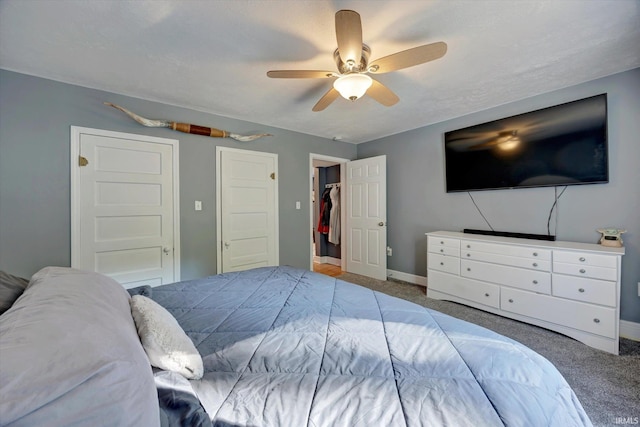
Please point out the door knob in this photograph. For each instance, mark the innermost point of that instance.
(381, 224)
(226, 245)
(166, 250)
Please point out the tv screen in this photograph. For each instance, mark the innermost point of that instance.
(561, 145)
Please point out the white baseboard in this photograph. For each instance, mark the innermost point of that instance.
(327, 260)
(406, 277)
(630, 330)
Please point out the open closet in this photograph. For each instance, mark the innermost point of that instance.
(327, 223)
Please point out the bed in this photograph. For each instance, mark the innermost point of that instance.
(278, 346)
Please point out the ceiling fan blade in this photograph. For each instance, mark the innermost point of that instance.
(300, 74)
(349, 35)
(326, 99)
(382, 94)
(408, 58)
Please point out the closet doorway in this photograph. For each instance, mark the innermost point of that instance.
(327, 246)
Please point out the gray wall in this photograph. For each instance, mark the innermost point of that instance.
(418, 203)
(35, 117)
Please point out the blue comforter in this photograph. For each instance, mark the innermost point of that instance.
(288, 347)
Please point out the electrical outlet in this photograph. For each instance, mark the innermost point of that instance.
(389, 251)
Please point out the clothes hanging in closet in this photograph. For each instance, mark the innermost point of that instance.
(325, 212)
(334, 216)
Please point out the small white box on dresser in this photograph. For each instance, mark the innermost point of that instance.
(571, 288)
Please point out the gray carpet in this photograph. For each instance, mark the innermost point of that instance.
(608, 386)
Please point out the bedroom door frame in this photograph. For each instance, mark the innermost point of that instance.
(346, 228)
(76, 133)
(342, 162)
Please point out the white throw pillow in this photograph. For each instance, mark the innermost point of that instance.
(166, 344)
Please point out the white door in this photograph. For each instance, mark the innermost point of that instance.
(125, 216)
(366, 234)
(247, 209)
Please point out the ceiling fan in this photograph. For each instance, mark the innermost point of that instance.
(352, 59)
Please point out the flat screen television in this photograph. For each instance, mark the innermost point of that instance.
(556, 146)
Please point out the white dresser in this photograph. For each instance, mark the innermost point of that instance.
(571, 288)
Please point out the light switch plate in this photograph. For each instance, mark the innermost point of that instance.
(198, 205)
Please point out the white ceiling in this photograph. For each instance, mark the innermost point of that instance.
(213, 56)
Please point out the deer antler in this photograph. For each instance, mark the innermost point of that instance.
(186, 127)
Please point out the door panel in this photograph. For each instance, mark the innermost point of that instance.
(125, 219)
(366, 217)
(117, 228)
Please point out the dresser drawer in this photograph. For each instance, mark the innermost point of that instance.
(588, 290)
(585, 258)
(517, 251)
(445, 250)
(447, 264)
(537, 281)
(573, 314)
(587, 271)
(435, 242)
(483, 293)
(532, 263)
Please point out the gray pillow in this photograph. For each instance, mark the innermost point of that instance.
(11, 287)
(70, 355)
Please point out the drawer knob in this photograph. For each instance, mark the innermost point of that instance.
(510, 300)
(582, 259)
(535, 264)
(442, 263)
(468, 268)
(468, 255)
(486, 294)
(581, 290)
(596, 320)
(468, 246)
(582, 270)
(442, 250)
(535, 254)
(441, 242)
(535, 282)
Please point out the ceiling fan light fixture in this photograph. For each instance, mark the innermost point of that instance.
(353, 86)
